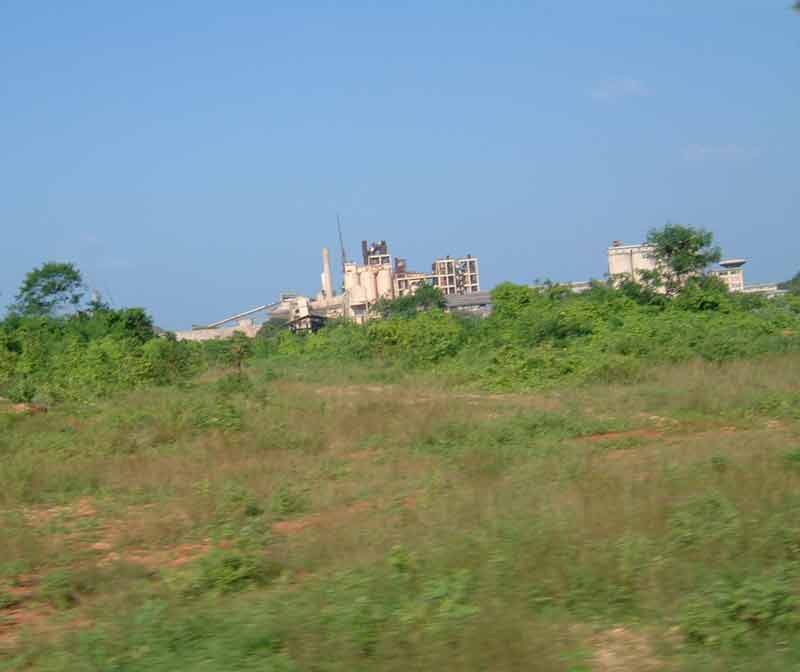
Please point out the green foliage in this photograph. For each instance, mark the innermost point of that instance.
(535, 337)
(426, 297)
(680, 252)
(510, 300)
(288, 501)
(239, 348)
(502, 532)
(539, 337)
(428, 338)
(7, 600)
(233, 384)
(227, 571)
(704, 293)
(51, 287)
(733, 611)
(87, 356)
(154, 637)
(703, 519)
(62, 588)
(793, 285)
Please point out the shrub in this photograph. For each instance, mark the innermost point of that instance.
(62, 588)
(731, 611)
(228, 571)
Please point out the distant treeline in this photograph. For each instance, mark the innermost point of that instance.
(56, 346)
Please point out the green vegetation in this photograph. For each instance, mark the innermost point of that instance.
(363, 499)
(792, 285)
(538, 338)
(333, 525)
(682, 254)
(51, 287)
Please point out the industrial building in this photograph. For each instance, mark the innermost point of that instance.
(376, 278)
(630, 261)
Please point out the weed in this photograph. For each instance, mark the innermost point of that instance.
(719, 463)
(732, 611)
(62, 588)
(288, 500)
(232, 384)
(703, 519)
(8, 600)
(228, 571)
(792, 458)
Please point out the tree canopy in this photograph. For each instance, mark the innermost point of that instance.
(792, 285)
(425, 298)
(51, 287)
(680, 252)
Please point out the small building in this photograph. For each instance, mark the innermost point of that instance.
(307, 324)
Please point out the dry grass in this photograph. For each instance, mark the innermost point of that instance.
(553, 509)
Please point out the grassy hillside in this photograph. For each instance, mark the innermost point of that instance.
(352, 517)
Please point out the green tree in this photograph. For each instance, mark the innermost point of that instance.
(426, 297)
(680, 252)
(792, 285)
(48, 289)
(509, 300)
(240, 347)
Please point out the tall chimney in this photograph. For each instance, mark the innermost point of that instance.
(327, 276)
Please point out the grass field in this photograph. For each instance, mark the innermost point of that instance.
(352, 519)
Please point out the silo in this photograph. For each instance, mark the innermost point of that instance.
(370, 280)
(351, 277)
(385, 284)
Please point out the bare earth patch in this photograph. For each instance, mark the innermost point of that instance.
(623, 650)
(25, 613)
(328, 519)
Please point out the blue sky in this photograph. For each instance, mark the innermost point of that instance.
(191, 157)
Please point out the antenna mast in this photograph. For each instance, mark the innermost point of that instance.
(341, 242)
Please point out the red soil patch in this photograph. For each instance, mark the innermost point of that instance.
(21, 616)
(360, 455)
(28, 409)
(328, 519)
(84, 508)
(25, 613)
(162, 557)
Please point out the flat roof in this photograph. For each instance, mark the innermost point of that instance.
(732, 263)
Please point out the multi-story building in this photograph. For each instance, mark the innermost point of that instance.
(456, 276)
(406, 282)
(365, 284)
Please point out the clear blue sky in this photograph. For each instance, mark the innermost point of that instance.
(191, 156)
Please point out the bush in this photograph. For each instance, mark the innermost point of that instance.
(62, 588)
(730, 612)
(228, 571)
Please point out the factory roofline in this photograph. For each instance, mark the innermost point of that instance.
(732, 263)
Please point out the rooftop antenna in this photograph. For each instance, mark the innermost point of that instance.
(341, 241)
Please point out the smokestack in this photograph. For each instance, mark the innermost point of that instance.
(327, 276)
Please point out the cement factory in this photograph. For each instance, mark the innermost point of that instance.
(379, 276)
